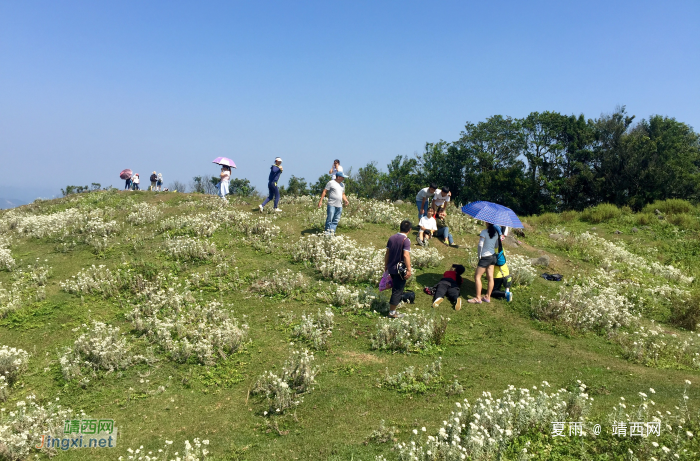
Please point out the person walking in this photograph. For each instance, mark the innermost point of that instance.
(423, 199)
(224, 181)
(398, 250)
(449, 286)
(443, 231)
(427, 226)
(154, 181)
(335, 168)
(159, 184)
(336, 199)
(488, 241)
(137, 182)
(275, 172)
(440, 199)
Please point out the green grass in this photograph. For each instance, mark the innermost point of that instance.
(487, 346)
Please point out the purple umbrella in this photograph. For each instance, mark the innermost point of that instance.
(126, 174)
(224, 161)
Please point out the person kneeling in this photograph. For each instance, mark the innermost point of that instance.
(449, 286)
(502, 280)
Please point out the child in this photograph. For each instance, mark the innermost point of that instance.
(427, 226)
(502, 279)
(449, 285)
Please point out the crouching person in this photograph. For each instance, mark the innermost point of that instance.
(449, 286)
(502, 282)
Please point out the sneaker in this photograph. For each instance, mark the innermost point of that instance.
(426, 242)
(437, 302)
(396, 316)
(419, 241)
(509, 296)
(458, 304)
(278, 210)
(454, 245)
(261, 208)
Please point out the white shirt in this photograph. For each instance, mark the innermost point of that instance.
(423, 194)
(339, 169)
(439, 199)
(490, 244)
(428, 223)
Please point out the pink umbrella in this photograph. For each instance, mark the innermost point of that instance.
(126, 174)
(224, 161)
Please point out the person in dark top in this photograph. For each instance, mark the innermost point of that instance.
(275, 172)
(398, 249)
(450, 285)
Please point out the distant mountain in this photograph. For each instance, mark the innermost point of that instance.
(10, 203)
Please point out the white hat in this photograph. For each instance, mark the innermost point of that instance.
(277, 159)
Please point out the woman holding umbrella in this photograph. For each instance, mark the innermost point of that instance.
(126, 174)
(225, 177)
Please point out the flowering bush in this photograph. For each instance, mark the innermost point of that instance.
(407, 381)
(196, 452)
(655, 347)
(27, 285)
(460, 223)
(7, 262)
(285, 283)
(202, 225)
(94, 279)
(340, 258)
(143, 213)
(63, 223)
(355, 299)
(19, 428)
(298, 376)
(482, 431)
(521, 271)
(415, 331)
(425, 257)
(13, 362)
(316, 330)
(100, 347)
(187, 248)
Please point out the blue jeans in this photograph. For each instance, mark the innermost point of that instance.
(332, 217)
(274, 194)
(424, 211)
(444, 233)
(223, 189)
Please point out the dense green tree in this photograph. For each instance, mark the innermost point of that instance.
(368, 182)
(295, 187)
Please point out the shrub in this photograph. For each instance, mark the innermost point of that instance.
(143, 213)
(383, 434)
(284, 392)
(644, 219)
(670, 206)
(414, 332)
(685, 313)
(316, 330)
(455, 388)
(601, 213)
(547, 219)
(7, 262)
(187, 248)
(425, 257)
(684, 221)
(283, 284)
(354, 300)
(196, 452)
(13, 362)
(655, 347)
(408, 382)
(521, 270)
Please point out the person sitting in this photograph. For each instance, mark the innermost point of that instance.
(449, 286)
(443, 231)
(440, 198)
(502, 279)
(427, 226)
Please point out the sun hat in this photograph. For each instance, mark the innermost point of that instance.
(277, 159)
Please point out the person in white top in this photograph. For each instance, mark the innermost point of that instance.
(223, 183)
(427, 226)
(423, 199)
(441, 198)
(336, 168)
(488, 244)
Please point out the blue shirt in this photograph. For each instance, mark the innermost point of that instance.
(275, 173)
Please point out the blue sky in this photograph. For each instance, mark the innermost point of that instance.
(89, 88)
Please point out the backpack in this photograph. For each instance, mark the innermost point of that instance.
(154, 177)
(408, 297)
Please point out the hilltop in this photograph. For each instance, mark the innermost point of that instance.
(180, 316)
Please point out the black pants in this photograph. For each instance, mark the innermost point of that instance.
(497, 285)
(449, 288)
(398, 284)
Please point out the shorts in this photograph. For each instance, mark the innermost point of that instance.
(398, 284)
(487, 261)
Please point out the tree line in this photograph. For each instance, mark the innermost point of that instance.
(545, 162)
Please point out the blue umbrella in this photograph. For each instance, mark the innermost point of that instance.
(493, 213)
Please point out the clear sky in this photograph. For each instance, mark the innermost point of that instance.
(88, 88)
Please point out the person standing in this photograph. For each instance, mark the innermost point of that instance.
(427, 226)
(137, 182)
(440, 198)
(336, 199)
(423, 199)
(443, 231)
(275, 172)
(488, 241)
(335, 168)
(159, 184)
(154, 181)
(398, 250)
(128, 184)
(223, 182)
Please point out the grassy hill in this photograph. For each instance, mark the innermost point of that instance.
(182, 317)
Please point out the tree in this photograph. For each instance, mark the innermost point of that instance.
(295, 187)
(403, 179)
(368, 182)
(74, 190)
(241, 187)
(318, 186)
(177, 186)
